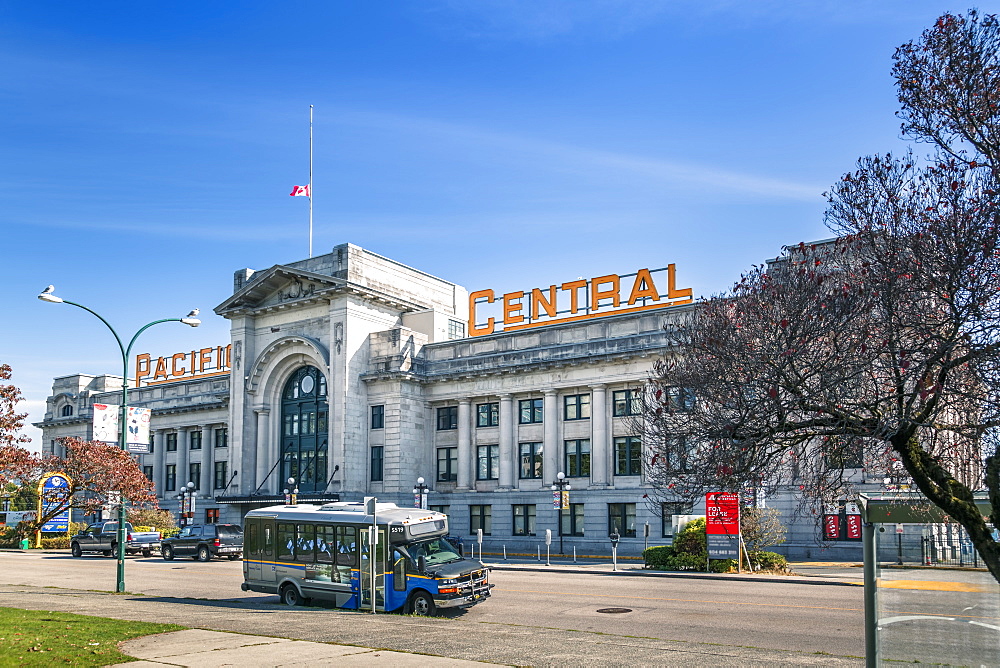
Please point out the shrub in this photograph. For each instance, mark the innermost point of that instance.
(769, 561)
(658, 557)
(58, 543)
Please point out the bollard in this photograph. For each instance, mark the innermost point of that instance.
(505, 553)
(539, 552)
(574, 554)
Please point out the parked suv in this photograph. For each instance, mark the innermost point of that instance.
(204, 541)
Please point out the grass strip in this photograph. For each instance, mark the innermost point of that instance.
(42, 638)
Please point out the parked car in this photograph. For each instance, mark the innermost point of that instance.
(103, 537)
(204, 541)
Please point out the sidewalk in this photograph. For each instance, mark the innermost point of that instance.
(199, 648)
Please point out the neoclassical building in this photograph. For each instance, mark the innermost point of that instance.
(356, 375)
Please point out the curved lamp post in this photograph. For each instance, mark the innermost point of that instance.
(560, 485)
(48, 295)
(420, 494)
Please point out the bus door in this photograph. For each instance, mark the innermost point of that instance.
(366, 566)
(265, 562)
(397, 584)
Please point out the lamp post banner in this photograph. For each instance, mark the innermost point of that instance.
(138, 430)
(106, 423)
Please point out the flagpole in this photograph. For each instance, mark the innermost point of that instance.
(310, 180)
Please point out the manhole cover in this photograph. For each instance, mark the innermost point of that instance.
(615, 611)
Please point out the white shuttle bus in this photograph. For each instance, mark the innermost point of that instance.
(305, 552)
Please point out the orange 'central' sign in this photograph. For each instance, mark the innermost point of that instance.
(581, 299)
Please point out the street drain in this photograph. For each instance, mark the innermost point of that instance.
(615, 611)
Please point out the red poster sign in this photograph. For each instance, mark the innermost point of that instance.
(853, 527)
(831, 527)
(722, 513)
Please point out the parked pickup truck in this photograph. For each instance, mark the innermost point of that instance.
(204, 541)
(103, 537)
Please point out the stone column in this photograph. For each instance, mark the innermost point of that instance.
(600, 441)
(464, 443)
(507, 428)
(550, 445)
(261, 446)
(159, 462)
(183, 457)
(207, 463)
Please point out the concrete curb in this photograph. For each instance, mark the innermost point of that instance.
(729, 577)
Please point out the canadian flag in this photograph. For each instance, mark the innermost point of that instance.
(299, 191)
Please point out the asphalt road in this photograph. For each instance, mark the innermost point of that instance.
(533, 618)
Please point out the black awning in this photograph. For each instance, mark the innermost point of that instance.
(276, 499)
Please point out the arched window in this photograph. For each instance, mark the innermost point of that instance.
(67, 410)
(304, 414)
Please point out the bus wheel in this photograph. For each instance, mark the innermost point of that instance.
(290, 596)
(421, 604)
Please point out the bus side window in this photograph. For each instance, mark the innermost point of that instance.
(306, 538)
(326, 544)
(398, 571)
(347, 546)
(268, 539)
(286, 542)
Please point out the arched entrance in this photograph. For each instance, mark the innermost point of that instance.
(304, 415)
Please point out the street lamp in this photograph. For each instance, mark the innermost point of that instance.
(420, 494)
(291, 492)
(186, 498)
(191, 319)
(561, 485)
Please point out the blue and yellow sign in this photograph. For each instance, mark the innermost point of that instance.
(53, 494)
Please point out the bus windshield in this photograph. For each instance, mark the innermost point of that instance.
(435, 551)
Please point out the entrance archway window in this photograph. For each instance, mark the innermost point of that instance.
(304, 415)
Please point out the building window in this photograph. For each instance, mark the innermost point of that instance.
(194, 474)
(626, 402)
(488, 415)
(578, 458)
(148, 472)
(195, 437)
(571, 520)
(438, 509)
(628, 455)
(378, 417)
(447, 464)
(488, 462)
(172, 442)
(170, 482)
(222, 437)
(67, 410)
(480, 517)
(377, 455)
(576, 407)
(531, 460)
(677, 398)
(447, 418)
(221, 475)
(621, 518)
(675, 456)
(456, 329)
(530, 411)
(667, 512)
(211, 516)
(524, 519)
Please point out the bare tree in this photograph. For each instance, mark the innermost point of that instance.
(878, 348)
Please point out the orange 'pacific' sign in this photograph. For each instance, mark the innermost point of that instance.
(182, 366)
(594, 298)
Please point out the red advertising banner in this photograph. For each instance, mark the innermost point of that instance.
(853, 527)
(722, 514)
(831, 527)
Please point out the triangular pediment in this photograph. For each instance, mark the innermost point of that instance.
(279, 285)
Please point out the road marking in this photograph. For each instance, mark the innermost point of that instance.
(930, 585)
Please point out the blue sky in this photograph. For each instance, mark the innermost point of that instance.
(147, 149)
